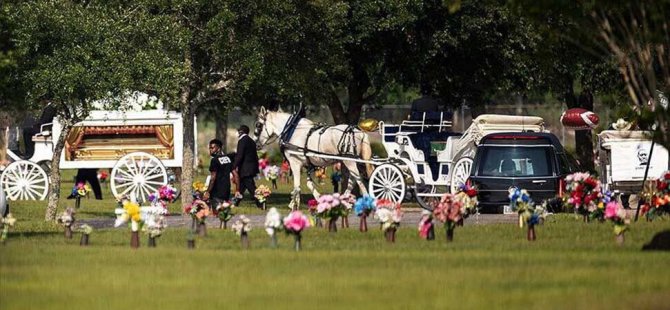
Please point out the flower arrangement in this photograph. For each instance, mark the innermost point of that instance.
(272, 224)
(426, 227)
(154, 222)
(331, 207)
(130, 212)
(262, 193)
(294, 224)
(224, 212)
(272, 173)
(530, 214)
(584, 195)
(467, 195)
(199, 189)
(615, 213)
(389, 215)
(657, 200)
(165, 194)
(6, 222)
(312, 205)
(363, 207)
(80, 190)
(102, 176)
(242, 227)
(449, 211)
(66, 219)
(198, 210)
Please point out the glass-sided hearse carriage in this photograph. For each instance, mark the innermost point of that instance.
(138, 146)
(427, 159)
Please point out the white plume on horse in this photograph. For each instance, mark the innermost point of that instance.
(313, 145)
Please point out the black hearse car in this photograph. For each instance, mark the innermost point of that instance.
(533, 161)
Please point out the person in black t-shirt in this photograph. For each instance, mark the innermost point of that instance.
(220, 167)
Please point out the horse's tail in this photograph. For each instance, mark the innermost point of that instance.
(366, 154)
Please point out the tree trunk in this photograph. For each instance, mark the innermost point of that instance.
(54, 176)
(187, 112)
(336, 109)
(583, 138)
(222, 128)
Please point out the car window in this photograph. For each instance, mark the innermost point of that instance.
(565, 166)
(511, 161)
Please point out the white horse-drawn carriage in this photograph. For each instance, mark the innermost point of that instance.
(424, 157)
(428, 160)
(137, 145)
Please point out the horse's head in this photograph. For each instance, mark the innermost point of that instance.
(266, 131)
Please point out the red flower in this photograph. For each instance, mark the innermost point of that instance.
(662, 185)
(471, 192)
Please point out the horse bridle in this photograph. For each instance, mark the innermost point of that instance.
(260, 127)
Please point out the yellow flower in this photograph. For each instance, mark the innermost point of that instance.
(601, 205)
(199, 187)
(133, 210)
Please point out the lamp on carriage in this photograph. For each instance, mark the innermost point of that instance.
(368, 124)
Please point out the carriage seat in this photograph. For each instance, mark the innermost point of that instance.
(422, 141)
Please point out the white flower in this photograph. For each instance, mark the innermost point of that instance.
(272, 221)
(383, 215)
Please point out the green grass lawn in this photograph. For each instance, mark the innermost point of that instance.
(571, 265)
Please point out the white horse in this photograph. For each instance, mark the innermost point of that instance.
(314, 146)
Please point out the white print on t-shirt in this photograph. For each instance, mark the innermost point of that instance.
(224, 160)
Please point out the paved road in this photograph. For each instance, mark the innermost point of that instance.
(410, 218)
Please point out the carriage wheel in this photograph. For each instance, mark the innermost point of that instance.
(428, 196)
(24, 180)
(387, 182)
(460, 173)
(139, 174)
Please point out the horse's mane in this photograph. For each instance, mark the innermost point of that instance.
(303, 120)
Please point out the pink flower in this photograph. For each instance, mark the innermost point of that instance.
(296, 222)
(611, 210)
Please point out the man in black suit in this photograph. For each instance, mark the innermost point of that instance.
(246, 162)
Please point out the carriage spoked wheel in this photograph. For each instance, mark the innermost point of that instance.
(460, 173)
(24, 180)
(138, 174)
(387, 182)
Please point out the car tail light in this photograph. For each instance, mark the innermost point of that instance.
(561, 187)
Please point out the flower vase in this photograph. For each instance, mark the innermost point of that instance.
(84, 240)
(390, 235)
(135, 239)
(319, 223)
(244, 240)
(77, 202)
(202, 229)
(273, 240)
(68, 232)
(298, 245)
(363, 227)
(450, 234)
(345, 222)
(152, 242)
(620, 239)
(431, 232)
(190, 243)
(223, 224)
(332, 225)
(263, 205)
(531, 233)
